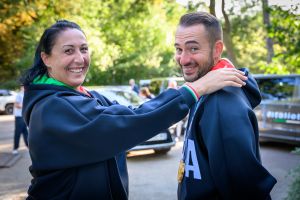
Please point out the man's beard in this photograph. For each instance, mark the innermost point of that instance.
(205, 68)
(202, 69)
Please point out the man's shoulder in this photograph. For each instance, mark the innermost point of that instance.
(226, 99)
(227, 94)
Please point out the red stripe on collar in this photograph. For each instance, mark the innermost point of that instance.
(223, 63)
(83, 90)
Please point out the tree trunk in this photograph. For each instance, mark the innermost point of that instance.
(212, 9)
(227, 35)
(269, 41)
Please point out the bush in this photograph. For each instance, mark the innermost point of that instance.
(294, 190)
(12, 85)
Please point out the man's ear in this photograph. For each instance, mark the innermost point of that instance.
(218, 49)
(45, 59)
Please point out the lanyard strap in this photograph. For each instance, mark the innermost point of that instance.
(191, 119)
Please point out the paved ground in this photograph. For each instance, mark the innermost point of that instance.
(143, 171)
(18, 170)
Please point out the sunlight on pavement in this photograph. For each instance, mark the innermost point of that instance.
(4, 118)
(18, 196)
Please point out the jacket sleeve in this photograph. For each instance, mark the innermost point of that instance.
(232, 148)
(75, 130)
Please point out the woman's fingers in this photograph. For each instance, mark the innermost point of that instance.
(232, 71)
(233, 75)
(218, 79)
(238, 80)
(232, 83)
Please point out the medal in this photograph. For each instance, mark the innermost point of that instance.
(180, 171)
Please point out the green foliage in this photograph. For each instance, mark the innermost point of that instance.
(248, 35)
(14, 15)
(276, 67)
(11, 84)
(194, 5)
(139, 46)
(125, 38)
(285, 32)
(249, 44)
(293, 193)
(21, 25)
(134, 39)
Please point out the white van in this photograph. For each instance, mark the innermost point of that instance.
(7, 100)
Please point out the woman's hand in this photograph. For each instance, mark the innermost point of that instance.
(218, 79)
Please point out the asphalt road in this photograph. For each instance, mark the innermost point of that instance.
(152, 177)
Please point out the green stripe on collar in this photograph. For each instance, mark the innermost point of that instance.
(48, 80)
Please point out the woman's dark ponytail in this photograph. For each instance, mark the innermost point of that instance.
(38, 68)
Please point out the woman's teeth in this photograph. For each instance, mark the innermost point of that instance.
(76, 70)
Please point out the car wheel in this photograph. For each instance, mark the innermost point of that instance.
(9, 109)
(162, 151)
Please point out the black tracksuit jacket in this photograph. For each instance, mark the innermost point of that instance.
(77, 143)
(221, 149)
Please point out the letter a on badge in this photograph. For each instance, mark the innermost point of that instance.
(191, 162)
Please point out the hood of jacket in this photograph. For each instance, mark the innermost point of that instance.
(36, 92)
(251, 89)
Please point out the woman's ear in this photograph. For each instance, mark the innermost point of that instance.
(218, 49)
(45, 59)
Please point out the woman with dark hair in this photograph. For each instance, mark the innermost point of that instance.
(78, 138)
(145, 93)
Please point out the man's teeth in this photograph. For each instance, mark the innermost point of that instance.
(76, 70)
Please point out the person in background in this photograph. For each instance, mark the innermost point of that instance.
(145, 93)
(220, 158)
(179, 125)
(20, 126)
(172, 84)
(79, 138)
(133, 86)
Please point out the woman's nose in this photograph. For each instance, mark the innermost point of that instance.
(79, 58)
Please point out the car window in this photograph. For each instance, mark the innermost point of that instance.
(7, 93)
(4, 93)
(122, 96)
(281, 88)
(157, 86)
(131, 97)
(113, 96)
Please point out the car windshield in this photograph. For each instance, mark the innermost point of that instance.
(130, 96)
(121, 95)
(281, 88)
(6, 92)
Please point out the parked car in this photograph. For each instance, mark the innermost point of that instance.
(7, 100)
(157, 86)
(278, 114)
(162, 142)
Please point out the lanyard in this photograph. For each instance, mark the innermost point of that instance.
(191, 119)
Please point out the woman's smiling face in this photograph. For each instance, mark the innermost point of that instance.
(69, 59)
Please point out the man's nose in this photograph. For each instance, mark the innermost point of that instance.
(185, 59)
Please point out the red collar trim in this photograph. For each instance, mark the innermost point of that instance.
(223, 63)
(83, 90)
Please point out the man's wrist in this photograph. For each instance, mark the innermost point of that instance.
(192, 91)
